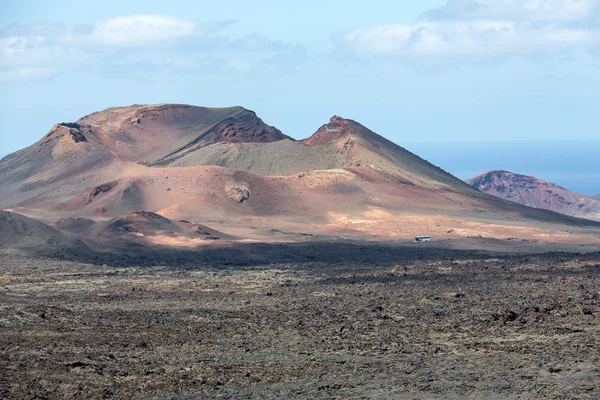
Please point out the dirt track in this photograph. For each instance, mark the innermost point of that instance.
(451, 326)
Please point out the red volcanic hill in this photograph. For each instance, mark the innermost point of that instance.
(115, 140)
(76, 163)
(534, 192)
(153, 134)
(224, 169)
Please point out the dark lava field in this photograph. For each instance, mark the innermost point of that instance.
(395, 324)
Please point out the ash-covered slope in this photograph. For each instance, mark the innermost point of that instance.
(534, 192)
(22, 234)
(45, 171)
(340, 144)
(105, 153)
(159, 133)
(225, 166)
(362, 147)
(146, 223)
(79, 156)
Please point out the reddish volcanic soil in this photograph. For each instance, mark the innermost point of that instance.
(225, 170)
(533, 192)
(149, 134)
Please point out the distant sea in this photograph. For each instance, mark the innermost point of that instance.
(574, 165)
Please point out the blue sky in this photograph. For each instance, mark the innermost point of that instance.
(480, 77)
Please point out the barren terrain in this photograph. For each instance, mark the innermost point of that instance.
(179, 252)
(226, 171)
(533, 192)
(327, 320)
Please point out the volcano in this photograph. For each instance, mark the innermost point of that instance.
(534, 192)
(227, 171)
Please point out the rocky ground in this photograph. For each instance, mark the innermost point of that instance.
(418, 325)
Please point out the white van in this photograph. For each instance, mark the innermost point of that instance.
(420, 239)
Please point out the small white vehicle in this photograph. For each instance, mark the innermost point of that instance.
(420, 239)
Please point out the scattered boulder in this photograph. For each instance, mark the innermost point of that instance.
(239, 193)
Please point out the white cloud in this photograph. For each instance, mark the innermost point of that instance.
(157, 43)
(532, 10)
(457, 39)
(23, 47)
(34, 51)
(471, 29)
(34, 57)
(141, 30)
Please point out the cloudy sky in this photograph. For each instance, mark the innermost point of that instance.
(471, 85)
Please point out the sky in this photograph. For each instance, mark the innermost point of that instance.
(470, 85)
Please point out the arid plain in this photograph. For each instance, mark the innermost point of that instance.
(181, 252)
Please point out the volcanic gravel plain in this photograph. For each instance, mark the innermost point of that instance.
(330, 320)
(176, 252)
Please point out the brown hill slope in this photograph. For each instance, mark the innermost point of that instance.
(106, 143)
(37, 174)
(156, 134)
(19, 233)
(342, 143)
(534, 192)
(227, 170)
(144, 223)
(75, 163)
(361, 146)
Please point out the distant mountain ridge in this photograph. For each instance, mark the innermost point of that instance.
(596, 196)
(146, 165)
(107, 153)
(534, 192)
